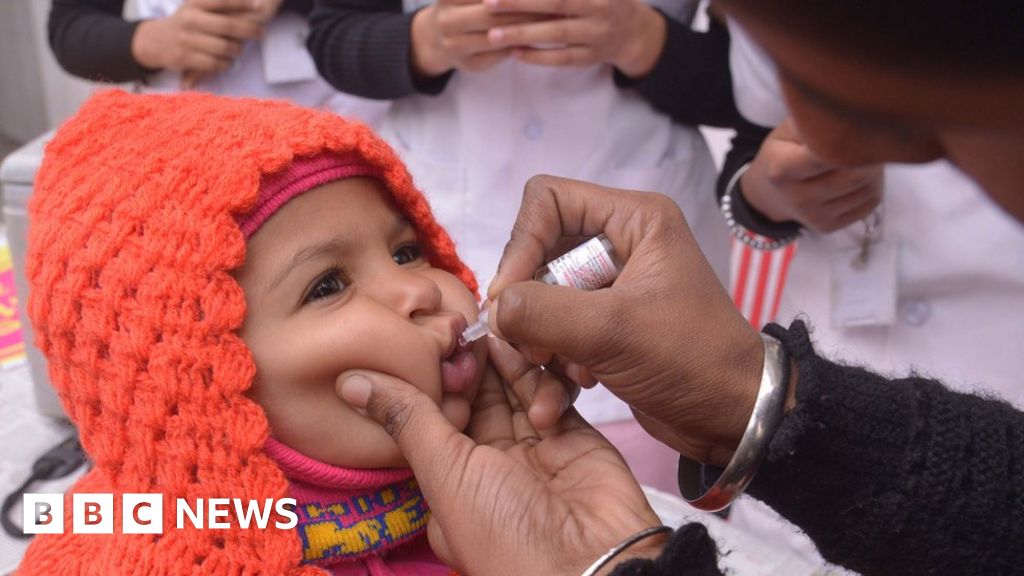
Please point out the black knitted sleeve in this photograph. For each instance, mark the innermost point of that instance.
(897, 476)
(362, 47)
(690, 551)
(91, 40)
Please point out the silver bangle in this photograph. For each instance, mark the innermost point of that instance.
(753, 447)
(621, 546)
(740, 232)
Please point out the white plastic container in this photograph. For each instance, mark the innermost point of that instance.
(17, 176)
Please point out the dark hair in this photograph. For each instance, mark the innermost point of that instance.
(970, 36)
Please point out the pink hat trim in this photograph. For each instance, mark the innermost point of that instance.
(302, 175)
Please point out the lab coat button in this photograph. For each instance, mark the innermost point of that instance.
(917, 312)
(533, 128)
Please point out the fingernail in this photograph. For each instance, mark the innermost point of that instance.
(492, 3)
(492, 318)
(495, 35)
(355, 390)
(574, 373)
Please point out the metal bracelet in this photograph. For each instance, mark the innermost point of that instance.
(740, 232)
(621, 546)
(753, 447)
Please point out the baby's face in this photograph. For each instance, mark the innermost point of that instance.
(335, 281)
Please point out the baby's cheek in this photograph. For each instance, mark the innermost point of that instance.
(456, 296)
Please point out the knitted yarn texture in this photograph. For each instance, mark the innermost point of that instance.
(132, 240)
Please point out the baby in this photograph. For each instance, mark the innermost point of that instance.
(203, 271)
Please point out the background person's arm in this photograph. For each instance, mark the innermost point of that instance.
(746, 145)
(91, 40)
(363, 47)
(690, 81)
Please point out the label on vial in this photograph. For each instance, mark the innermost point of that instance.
(587, 267)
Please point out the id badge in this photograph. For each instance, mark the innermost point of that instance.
(285, 58)
(864, 289)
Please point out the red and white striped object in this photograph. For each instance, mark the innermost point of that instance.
(756, 280)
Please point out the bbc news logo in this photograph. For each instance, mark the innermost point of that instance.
(144, 513)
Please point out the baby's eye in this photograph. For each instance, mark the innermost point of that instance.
(407, 253)
(327, 285)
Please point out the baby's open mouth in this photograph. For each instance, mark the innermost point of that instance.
(459, 367)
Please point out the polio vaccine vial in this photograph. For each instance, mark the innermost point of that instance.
(589, 266)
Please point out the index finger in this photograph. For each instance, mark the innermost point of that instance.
(227, 5)
(554, 208)
(542, 393)
(564, 7)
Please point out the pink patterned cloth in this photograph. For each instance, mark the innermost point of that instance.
(356, 522)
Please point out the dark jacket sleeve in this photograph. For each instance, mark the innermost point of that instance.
(363, 47)
(91, 40)
(690, 551)
(691, 81)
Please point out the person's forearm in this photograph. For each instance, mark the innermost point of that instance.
(91, 40)
(362, 47)
(897, 476)
(691, 81)
(745, 146)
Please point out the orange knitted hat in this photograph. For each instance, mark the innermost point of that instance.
(134, 232)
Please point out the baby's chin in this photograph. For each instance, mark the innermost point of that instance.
(383, 454)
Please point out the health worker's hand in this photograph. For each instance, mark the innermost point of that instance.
(628, 34)
(787, 181)
(202, 36)
(453, 34)
(664, 337)
(504, 498)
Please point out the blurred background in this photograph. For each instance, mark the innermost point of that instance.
(35, 94)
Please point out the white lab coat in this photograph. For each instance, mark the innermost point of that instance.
(960, 277)
(278, 66)
(472, 148)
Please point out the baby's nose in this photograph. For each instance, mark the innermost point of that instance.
(411, 293)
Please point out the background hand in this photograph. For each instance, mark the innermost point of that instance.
(453, 34)
(665, 337)
(786, 181)
(203, 36)
(506, 499)
(628, 34)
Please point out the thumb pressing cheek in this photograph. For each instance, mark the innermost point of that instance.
(408, 415)
(355, 390)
